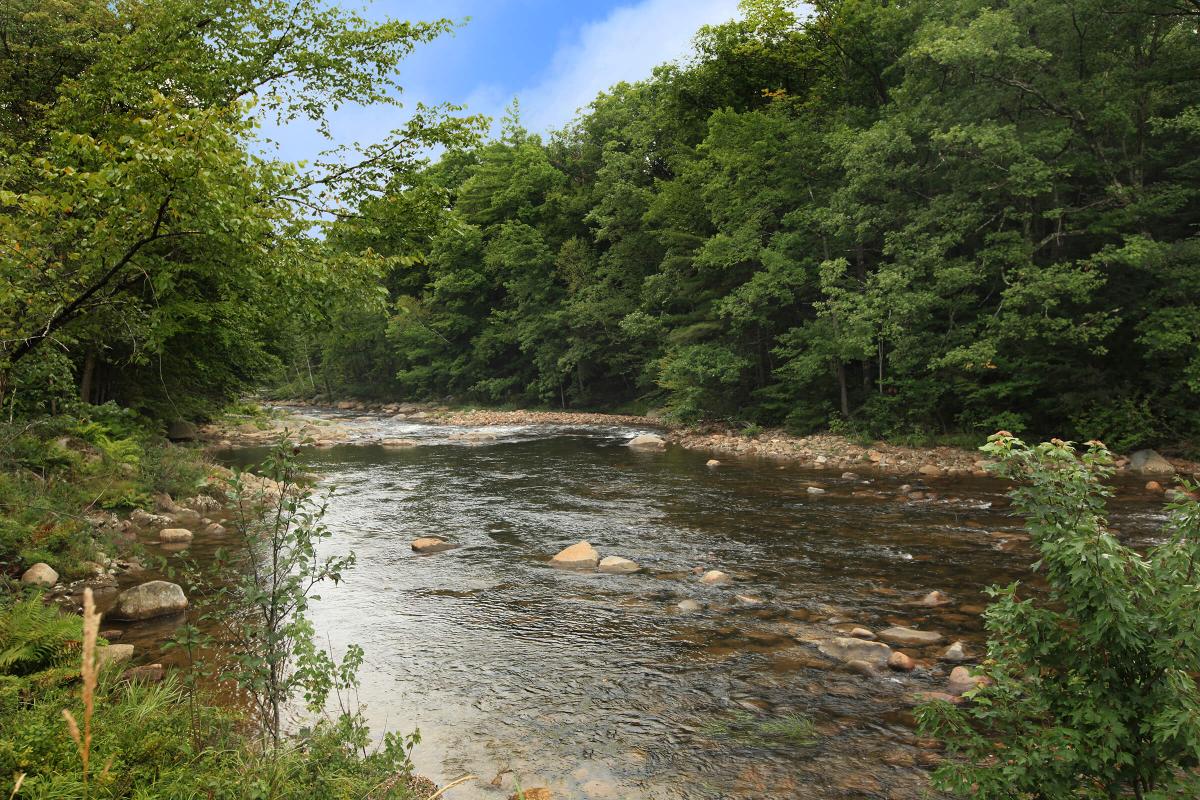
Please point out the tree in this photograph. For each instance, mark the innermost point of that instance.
(132, 178)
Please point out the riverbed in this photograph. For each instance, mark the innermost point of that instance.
(599, 686)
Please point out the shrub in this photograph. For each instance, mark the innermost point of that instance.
(1092, 692)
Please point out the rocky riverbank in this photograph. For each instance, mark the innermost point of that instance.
(825, 451)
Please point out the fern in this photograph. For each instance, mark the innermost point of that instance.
(36, 638)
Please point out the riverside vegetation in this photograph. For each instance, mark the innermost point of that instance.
(895, 219)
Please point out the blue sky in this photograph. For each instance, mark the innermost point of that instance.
(553, 55)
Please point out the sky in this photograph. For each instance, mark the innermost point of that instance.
(554, 55)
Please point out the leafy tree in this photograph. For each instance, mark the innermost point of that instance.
(1091, 688)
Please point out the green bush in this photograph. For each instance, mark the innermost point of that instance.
(1123, 423)
(1093, 691)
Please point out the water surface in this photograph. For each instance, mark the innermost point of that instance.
(597, 686)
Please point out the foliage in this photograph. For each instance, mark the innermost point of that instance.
(56, 471)
(145, 743)
(917, 218)
(1092, 682)
(150, 252)
(262, 614)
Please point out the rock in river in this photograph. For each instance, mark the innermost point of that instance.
(152, 599)
(580, 555)
(955, 653)
(648, 441)
(113, 654)
(844, 648)
(40, 574)
(935, 598)
(910, 637)
(901, 662)
(714, 577)
(431, 544)
(688, 606)
(1149, 462)
(615, 565)
(962, 681)
(174, 535)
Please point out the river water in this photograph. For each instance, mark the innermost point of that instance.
(598, 686)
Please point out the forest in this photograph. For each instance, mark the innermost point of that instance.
(904, 222)
(890, 218)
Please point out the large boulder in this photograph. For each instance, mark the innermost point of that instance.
(615, 565)
(647, 441)
(580, 555)
(181, 430)
(40, 574)
(149, 600)
(845, 648)
(1149, 462)
(909, 637)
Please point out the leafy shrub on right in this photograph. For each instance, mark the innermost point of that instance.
(1093, 690)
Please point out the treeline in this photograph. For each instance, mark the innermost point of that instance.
(888, 217)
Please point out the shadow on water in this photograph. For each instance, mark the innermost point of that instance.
(598, 686)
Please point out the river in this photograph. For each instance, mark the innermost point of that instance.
(598, 686)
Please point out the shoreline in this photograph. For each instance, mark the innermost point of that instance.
(821, 451)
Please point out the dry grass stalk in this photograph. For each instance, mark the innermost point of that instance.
(450, 786)
(17, 786)
(87, 670)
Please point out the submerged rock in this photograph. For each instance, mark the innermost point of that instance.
(689, 606)
(615, 565)
(580, 555)
(712, 462)
(862, 633)
(149, 600)
(714, 577)
(910, 636)
(647, 441)
(431, 544)
(901, 662)
(935, 598)
(537, 793)
(40, 574)
(845, 648)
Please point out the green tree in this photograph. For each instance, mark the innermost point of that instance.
(1091, 689)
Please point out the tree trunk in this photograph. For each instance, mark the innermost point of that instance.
(841, 375)
(87, 379)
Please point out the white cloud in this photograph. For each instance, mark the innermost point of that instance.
(625, 46)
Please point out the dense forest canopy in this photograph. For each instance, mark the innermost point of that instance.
(889, 216)
(873, 216)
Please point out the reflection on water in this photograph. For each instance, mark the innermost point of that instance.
(598, 686)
